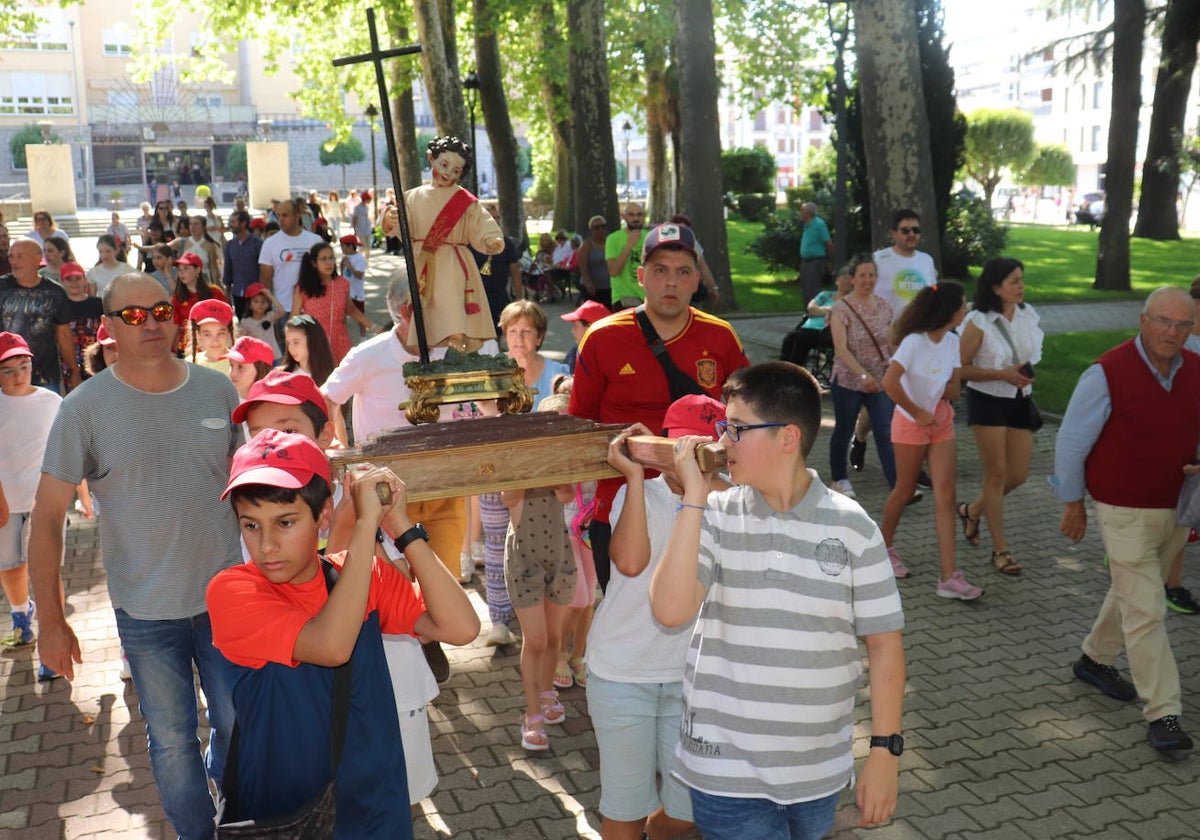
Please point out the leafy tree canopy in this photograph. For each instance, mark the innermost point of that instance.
(747, 170)
(997, 141)
(337, 152)
(1051, 166)
(30, 135)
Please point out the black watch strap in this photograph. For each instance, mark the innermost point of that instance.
(892, 743)
(416, 532)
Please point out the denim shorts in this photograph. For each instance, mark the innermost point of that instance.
(637, 730)
(14, 542)
(733, 818)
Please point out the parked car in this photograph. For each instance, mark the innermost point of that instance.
(1090, 211)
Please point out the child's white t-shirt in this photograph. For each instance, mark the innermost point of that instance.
(358, 285)
(928, 366)
(24, 428)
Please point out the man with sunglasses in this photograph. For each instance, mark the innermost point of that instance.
(152, 435)
(36, 309)
(903, 270)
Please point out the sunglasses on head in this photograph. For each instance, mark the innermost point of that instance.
(135, 316)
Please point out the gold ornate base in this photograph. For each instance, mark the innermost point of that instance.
(429, 393)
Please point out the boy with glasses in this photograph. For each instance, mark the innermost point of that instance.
(785, 576)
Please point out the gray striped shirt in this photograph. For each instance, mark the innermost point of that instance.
(158, 464)
(774, 663)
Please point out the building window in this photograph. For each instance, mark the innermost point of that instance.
(36, 94)
(1098, 95)
(1097, 138)
(52, 35)
(117, 43)
(1047, 94)
(760, 121)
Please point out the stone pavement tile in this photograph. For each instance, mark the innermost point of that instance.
(1166, 826)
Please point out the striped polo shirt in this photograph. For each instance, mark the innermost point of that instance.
(774, 663)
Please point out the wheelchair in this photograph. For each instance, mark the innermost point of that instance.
(810, 349)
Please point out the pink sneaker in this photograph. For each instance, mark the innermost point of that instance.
(958, 587)
(898, 567)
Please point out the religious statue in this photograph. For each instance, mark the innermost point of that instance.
(445, 218)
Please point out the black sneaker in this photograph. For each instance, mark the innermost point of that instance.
(438, 663)
(1181, 601)
(858, 454)
(923, 481)
(1104, 677)
(916, 497)
(1166, 734)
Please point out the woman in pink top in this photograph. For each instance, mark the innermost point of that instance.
(325, 296)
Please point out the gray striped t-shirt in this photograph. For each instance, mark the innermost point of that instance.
(774, 663)
(158, 464)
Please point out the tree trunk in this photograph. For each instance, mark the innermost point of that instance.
(594, 168)
(700, 159)
(1112, 250)
(556, 101)
(659, 123)
(899, 165)
(441, 77)
(1157, 216)
(499, 125)
(404, 118)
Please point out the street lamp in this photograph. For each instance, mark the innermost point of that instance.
(471, 91)
(373, 112)
(627, 128)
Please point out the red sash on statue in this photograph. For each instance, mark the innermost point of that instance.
(450, 216)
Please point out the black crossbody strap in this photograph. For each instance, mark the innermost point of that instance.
(339, 718)
(679, 382)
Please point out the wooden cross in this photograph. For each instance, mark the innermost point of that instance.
(376, 57)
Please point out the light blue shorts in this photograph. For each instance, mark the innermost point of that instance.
(637, 730)
(14, 542)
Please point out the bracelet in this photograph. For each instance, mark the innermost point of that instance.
(693, 507)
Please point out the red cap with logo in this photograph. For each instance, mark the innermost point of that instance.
(247, 350)
(282, 387)
(11, 345)
(190, 258)
(590, 311)
(211, 311)
(277, 459)
(71, 269)
(693, 414)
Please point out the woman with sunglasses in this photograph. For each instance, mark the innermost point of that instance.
(593, 267)
(190, 288)
(324, 295)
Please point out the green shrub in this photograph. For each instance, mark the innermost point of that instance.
(973, 236)
(747, 170)
(754, 207)
(779, 245)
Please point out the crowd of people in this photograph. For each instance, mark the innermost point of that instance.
(697, 609)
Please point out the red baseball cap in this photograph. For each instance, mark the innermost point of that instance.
(590, 311)
(256, 222)
(254, 290)
(11, 345)
(693, 414)
(350, 239)
(190, 258)
(282, 387)
(211, 311)
(71, 269)
(102, 337)
(277, 459)
(247, 350)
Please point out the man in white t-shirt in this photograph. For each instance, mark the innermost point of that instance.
(279, 260)
(902, 269)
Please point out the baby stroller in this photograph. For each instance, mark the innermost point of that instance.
(539, 282)
(810, 349)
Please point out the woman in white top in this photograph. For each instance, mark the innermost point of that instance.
(108, 268)
(922, 380)
(201, 243)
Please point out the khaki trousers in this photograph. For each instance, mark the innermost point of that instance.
(1141, 543)
(446, 522)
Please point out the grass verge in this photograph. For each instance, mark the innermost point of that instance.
(1064, 357)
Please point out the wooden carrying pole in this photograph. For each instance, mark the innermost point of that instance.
(659, 453)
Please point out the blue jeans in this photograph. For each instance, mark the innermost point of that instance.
(731, 818)
(846, 404)
(160, 656)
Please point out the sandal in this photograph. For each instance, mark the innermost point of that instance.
(579, 671)
(552, 711)
(1005, 564)
(533, 733)
(562, 675)
(970, 534)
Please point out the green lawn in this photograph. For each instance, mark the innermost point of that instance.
(1060, 264)
(1064, 357)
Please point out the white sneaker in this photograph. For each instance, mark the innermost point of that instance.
(466, 567)
(477, 554)
(844, 487)
(500, 635)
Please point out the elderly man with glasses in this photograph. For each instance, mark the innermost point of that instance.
(153, 437)
(1128, 438)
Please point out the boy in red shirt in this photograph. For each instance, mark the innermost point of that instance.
(276, 619)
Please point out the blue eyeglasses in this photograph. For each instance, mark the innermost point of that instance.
(734, 430)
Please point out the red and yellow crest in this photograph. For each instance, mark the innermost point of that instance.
(706, 373)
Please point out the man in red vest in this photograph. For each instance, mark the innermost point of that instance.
(1134, 479)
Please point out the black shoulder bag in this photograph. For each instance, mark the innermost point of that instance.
(315, 819)
(679, 382)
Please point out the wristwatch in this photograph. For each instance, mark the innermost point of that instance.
(892, 743)
(416, 532)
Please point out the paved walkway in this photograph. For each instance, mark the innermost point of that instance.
(1002, 742)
